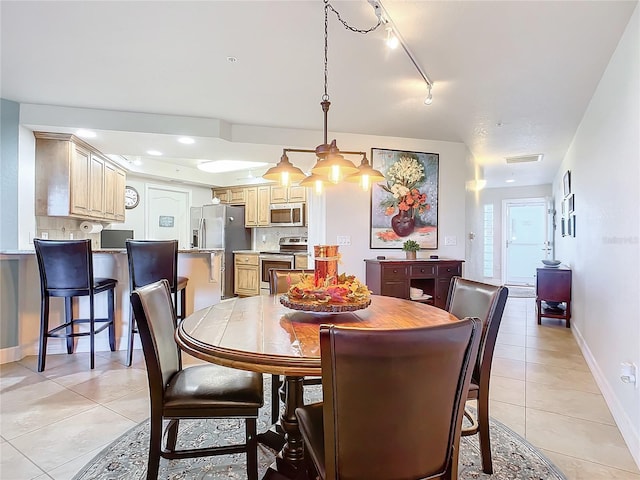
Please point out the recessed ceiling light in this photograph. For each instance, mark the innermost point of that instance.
(232, 59)
(82, 133)
(186, 140)
(155, 153)
(220, 166)
(511, 180)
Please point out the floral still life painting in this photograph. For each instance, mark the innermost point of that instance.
(404, 206)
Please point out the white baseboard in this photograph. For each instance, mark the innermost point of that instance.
(59, 345)
(11, 354)
(623, 422)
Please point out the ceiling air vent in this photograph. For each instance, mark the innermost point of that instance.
(525, 158)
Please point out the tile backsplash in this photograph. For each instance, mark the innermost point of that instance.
(265, 239)
(64, 228)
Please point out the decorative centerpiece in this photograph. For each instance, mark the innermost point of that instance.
(326, 291)
(411, 248)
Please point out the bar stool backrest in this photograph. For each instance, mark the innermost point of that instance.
(151, 261)
(65, 265)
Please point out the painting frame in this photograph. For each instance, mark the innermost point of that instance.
(414, 179)
(566, 183)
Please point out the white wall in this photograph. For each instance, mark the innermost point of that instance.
(604, 160)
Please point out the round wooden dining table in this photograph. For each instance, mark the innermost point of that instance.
(262, 335)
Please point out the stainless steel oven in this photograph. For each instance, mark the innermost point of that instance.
(283, 258)
(273, 260)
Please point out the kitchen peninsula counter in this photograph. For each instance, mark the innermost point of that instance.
(21, 281)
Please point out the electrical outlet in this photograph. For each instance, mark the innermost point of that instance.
(44, 235)
(71, 236)
(343, 240)
(629, 373)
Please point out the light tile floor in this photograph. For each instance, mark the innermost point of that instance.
(53, 423)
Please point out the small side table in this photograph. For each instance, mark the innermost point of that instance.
(553, 294)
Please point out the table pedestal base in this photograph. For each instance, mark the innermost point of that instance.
(289, 463)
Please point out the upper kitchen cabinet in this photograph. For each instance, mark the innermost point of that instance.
(73, 179)
(256, 212)
(231, 196)
(291, 194)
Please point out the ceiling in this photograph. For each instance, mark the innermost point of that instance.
(510, 77)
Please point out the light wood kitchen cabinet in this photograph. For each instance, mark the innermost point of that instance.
(224, 194)
(73, 179)
(256, 212)
(291, 194)
(237, 196)
(301, 262)
(246, 274)
(114, 184)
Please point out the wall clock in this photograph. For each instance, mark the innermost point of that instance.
(131, 197)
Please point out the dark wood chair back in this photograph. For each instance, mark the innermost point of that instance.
(396, 396)
(281, 279)
(151, 261)
(468, 298)
(66, 266)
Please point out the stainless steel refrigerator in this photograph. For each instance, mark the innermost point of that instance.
(221, 226)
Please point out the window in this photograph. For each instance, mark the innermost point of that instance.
(488, 241)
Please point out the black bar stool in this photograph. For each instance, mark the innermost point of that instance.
(66, 270)
(151, 261)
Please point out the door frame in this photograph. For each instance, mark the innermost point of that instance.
(505, 227)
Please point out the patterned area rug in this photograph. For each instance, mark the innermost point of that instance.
(126, 457)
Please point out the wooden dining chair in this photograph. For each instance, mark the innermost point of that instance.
(486, 302)
(150, 261)
(280, 279)
(393, 402)
(200, 391)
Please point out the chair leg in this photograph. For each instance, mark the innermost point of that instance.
(275, 398)
(155, 445)
(172, 434)
(183, 304)
(44, 330)
(252, 449)
(483, 432)
(112, 320)
(92, 331)
(132, 330)
(68, 318)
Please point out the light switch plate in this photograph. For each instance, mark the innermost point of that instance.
(450, 241)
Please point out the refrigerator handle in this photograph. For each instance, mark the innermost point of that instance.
(203, 233)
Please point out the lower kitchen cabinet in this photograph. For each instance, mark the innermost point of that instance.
(246, 272)
(396, 277)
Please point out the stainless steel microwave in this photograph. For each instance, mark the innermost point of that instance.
(287, 214)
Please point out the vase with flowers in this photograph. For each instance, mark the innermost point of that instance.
(403, 179)
(411, 248)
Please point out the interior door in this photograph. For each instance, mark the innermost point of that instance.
(527, 239)
(167, 214)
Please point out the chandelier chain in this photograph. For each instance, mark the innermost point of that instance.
(327, 7)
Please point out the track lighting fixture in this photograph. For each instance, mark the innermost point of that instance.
(429, 99)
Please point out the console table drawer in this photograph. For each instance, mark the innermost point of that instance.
(394, 272)
(449, 270)
(423, 271)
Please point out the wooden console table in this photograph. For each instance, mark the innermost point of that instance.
(553, 294)
(395, 276)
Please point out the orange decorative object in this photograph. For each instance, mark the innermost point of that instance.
(326, 264)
